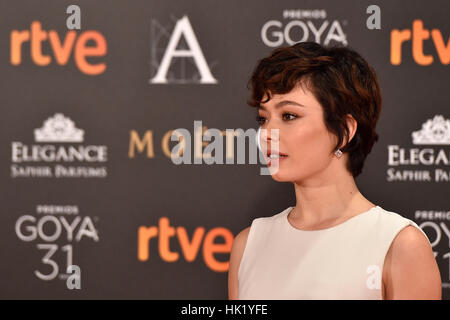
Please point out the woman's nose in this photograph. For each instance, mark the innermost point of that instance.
(267, 138)
(270, 133)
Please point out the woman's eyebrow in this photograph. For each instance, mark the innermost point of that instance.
(283, 103)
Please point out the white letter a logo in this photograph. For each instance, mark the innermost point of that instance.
(183, 27)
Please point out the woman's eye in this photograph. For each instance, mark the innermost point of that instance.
(286, 116)
(260, 119)
(289, 115)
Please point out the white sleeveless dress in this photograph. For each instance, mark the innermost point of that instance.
(341, 262)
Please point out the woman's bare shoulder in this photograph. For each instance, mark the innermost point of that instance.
(410, 269)
(237, 251)
(240, 240)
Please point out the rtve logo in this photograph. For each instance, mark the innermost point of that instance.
(418, 35)
(61, 48)
(189, 248)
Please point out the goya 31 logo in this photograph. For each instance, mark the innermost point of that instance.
(54, 229)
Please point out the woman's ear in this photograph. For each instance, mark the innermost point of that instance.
(352, 125)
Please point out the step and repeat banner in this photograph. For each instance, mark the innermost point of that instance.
(91, 92)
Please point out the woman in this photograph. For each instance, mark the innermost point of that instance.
(335, 243)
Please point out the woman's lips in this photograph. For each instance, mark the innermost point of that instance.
(269, 152)
(271, 161)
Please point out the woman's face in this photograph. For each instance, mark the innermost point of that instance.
(303, 136)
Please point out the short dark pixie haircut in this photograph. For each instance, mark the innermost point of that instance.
(341, 81)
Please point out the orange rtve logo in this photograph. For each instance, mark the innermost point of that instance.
(419, 34)
(61, 50)
(189, 248)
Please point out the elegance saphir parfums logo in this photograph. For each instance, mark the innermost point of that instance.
(58, 146)
(434, 136)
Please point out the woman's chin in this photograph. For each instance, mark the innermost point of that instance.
(279, 176)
